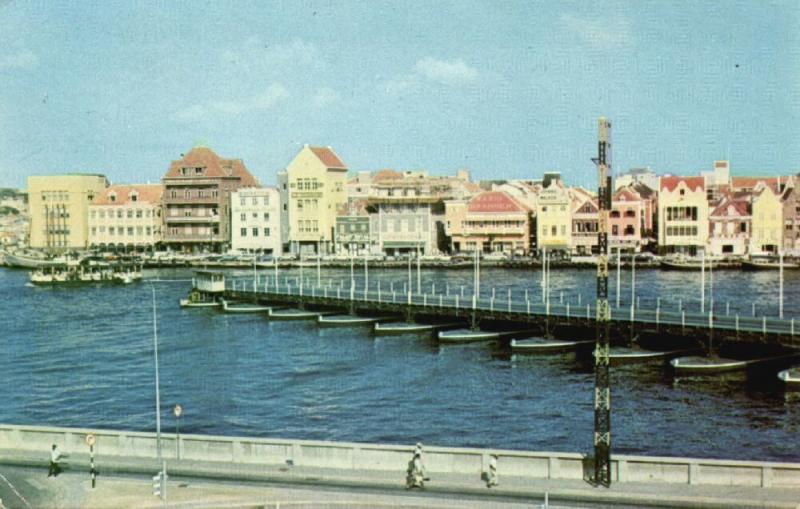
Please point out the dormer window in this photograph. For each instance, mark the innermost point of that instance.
(683, 192)
(134, 197)
(112, 197)
(198, 171)
(185, 171)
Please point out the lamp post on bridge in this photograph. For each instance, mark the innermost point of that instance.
(161, 460)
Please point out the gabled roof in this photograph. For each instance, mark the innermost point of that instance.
(750, 182)
(644, 190)
(731, 207)
(328, 157)
(145, 193)
(692, 183)
(626, 194)
(215, 166)
(495, 202)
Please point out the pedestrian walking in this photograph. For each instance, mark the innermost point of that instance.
(491, 479)
(415, 473)
(55, 458)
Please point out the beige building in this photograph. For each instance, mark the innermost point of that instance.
(312, 190)
(126, 217)
(492, 221)
(554, 216)
(59, 209)
(682, 215)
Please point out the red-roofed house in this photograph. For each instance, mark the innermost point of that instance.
(126, 218)
(585, 216)
(682, 215)
(197, 194)
(631, 219)
(730, 225)
(791, 220)
(312, 189)
(492, 221)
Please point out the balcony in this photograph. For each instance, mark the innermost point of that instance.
(182, 199)
(191, 219)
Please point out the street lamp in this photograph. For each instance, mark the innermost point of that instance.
(161, 460)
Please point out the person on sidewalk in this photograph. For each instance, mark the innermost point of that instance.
(415, 474)
(491, 479)
(55, 457)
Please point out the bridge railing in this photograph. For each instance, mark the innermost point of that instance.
(518, 305)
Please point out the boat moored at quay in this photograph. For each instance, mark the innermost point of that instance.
(85, 272)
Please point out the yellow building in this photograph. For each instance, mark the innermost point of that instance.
(126, 217)
(682, 215)
(59, 209)
(554, 217)
(767, 216)
(312, 189)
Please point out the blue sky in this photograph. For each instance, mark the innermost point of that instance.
(507, 89)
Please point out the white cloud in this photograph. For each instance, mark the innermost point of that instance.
(263, 101)
(454, 73)
(325, 96)
(23, 59)
(613, 32)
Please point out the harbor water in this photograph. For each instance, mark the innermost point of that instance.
(83, 357)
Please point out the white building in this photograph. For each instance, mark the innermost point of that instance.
(256, 220)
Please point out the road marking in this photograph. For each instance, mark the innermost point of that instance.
(17, 493)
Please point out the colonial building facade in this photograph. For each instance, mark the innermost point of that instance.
(59, 209)
(126, 217)
(682, 215)
(492, 221)
(313, 189)
(554, 216)
(256, 221)
(197, 197)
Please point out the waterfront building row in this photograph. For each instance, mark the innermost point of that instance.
(208, 203)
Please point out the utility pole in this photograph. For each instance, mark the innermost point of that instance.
(602, 381)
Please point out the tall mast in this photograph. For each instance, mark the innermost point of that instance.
(602, 382)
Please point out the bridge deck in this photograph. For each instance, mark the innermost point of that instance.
(555, 314)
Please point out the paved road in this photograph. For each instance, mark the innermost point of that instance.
(27, 488)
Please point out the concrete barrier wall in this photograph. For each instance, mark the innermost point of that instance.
(357, 456)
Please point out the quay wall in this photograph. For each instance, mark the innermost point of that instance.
(344, 456)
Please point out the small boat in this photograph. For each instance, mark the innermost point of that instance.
(188, 303)
(791, 378)
(623, 355)
(32, 261)
(696, 365)
(399, 328)
(292, 314)
(466, 336)
(543, 345)
(243, 308)
(767, 264)
(688, 264)
(347, 320)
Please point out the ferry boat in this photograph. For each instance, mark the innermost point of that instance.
(31, 260)
(82, 273)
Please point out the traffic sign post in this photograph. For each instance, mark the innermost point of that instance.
(178, 412)
(90, 440)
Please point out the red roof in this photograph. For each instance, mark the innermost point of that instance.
(739, 207)
(387, 174)
(215, 166)
(693, 183)
(749, 183)
(495, 201)
(328, 157)
(145, 193)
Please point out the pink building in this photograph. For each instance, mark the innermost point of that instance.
(631, 218)
(730, 222)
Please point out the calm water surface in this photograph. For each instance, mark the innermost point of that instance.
(84, 357)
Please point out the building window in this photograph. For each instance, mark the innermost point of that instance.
(130, 231)
(243, 217)
(255, 232)
(119, 214)
(148, 231)
(243, 232)
(134, 197)
(255, 215)
(266, 232)
(198, 171)
(201, 194)
(255, 200)
(215, 193)
(139, 230)
(94, 230)
(139, 213)
(266, 216)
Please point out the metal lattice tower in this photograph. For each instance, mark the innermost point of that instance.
(602, 382)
